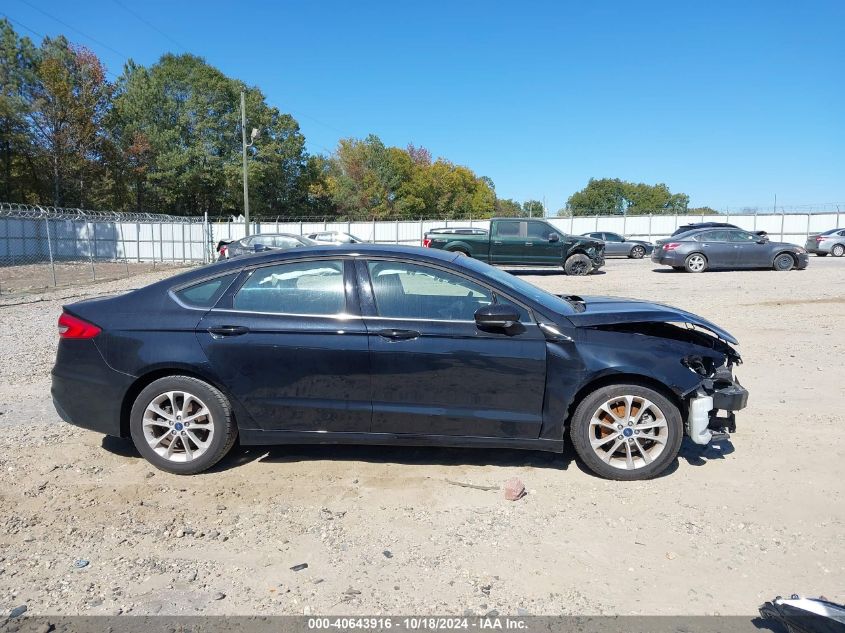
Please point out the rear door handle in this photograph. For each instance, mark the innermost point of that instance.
(398, 335)
(529, 243)
(228, 330)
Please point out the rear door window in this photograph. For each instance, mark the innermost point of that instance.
(506, 228)
(300, 288)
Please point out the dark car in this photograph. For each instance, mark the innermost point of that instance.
(522, 242)
(262, 242)
(830, 242)
(708, 225)
(372, 344)
(705, 249)
(615, 244)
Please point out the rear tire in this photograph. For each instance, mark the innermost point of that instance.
(638, 252)
(784, 262)
(838, 250)
(821, 254)
(695, 263)
(678, 268)
(577, 265)
(647, 443)
(182, 425)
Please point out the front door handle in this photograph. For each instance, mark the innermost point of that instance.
(529, 243)
(398, 335)
(227, 330)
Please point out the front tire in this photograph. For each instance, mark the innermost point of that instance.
(182, 425)
(626, 432)
(695, 263)
(838, 250)
(577, 265)
(784, 262)
(638, 252)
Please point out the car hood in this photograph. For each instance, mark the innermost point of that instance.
(592, 311)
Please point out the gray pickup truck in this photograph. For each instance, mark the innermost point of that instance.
(515, 242)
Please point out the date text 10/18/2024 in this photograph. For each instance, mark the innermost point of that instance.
(484, 623)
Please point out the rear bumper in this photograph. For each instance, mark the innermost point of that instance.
(86, 391)
(667, 258)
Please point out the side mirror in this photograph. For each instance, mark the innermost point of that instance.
(762, 239)
(496, 315)
(554, 237)
(259, 248)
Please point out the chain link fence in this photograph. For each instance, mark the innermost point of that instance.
(42, 247)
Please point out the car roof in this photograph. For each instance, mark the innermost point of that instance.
(343, 250)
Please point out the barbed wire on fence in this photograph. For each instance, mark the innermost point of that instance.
(37, 211)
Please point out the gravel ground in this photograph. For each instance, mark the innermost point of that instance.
(383, 532)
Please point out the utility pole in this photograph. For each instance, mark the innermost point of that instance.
(245, 145)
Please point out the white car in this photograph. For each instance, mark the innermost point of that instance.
(335, 237)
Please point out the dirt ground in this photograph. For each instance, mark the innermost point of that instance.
(29, 278)
(383, 532)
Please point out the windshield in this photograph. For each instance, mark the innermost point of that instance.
(546, 299)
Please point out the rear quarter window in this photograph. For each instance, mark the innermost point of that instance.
(205, 294)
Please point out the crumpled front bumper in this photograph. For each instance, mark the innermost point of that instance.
(704, 422)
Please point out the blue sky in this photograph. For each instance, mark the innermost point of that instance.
(730, 102)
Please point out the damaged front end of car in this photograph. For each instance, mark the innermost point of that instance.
(688, 354)
(713, 405)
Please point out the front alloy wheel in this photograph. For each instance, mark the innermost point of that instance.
(784, 262)
(627, 432)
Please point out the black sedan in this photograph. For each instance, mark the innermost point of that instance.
(262, 242)
(372, 344)
(705, 249)
(615, 245)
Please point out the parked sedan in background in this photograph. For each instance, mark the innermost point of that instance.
(830, 242)
(374, 344)
(709, 225)
(335, 237)
(704, 249)
(262, 242)
(615, 244)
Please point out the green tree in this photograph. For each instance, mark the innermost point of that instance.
(533, 208)
(177, 125)
(18, 58)
(507, 208)
(615, 196)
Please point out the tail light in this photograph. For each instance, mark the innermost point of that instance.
(74, 327)
(671, 246)
(223, 250)
(426, 242)
(820, 238)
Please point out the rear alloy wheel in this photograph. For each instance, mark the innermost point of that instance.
(182, 425)
(838, 250)
(695, 263)
(627, 432)
(577, 265)
(638, 252)
(784, 262)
